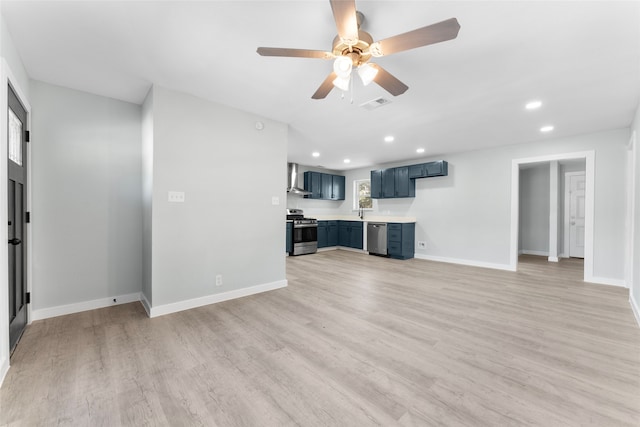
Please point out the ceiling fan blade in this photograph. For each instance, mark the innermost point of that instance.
(296, 53)
(388, 82)
(436, 33)
(325, 87)
(344, 13)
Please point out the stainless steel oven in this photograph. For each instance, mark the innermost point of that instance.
(305, 233)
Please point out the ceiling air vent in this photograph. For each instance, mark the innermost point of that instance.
(375, 103)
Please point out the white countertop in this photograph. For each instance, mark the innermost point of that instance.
(367, 218)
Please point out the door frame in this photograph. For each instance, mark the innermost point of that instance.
(8, 78)
(632, 171)
(567, 215)
(589, 157)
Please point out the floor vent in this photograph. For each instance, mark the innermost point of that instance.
(375, 103)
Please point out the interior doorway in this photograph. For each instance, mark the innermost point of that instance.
(587, 159)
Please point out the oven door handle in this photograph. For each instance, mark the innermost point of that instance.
(305, 226)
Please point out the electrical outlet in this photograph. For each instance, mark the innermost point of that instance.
(422, 245)
(275, 200)
(219, 280)
(176, 196)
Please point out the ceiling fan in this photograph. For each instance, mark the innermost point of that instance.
(354, 48)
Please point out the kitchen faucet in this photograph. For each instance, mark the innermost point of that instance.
(361, 212)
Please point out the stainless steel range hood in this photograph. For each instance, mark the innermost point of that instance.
(292, 180)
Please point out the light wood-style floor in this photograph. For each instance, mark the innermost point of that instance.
(354, 340)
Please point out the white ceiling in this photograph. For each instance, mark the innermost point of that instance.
(580, 58)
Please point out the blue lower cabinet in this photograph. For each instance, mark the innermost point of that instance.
(401, 240)
(323, 234)
(289, 243)
(350, 234)
(332, 233)
(327, 234)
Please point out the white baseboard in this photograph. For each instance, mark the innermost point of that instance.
(606, 281)
(61, 310)
(634, 307)
(145, 303)
(161, 310)
(465, 262)
(536, 253)
(552, 259)
(3, 370)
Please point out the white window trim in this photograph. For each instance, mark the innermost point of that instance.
(355, 199)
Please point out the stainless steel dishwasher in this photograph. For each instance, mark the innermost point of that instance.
(377, 238)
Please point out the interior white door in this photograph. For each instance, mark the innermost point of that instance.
(576, 215)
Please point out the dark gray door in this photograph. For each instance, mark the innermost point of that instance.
(17, 180)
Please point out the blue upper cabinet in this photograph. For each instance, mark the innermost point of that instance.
(338, 187)
(376, 184)
(324, 186)
(400, 181)
(427, 170)
(404, 187)
(313, 184)
(392, 183)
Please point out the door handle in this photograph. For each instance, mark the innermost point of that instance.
(15, 241)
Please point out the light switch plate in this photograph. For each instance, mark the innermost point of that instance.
(176, 196)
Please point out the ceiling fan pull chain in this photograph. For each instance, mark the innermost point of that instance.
(351, 86)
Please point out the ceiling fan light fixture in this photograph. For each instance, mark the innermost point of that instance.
(376, 50)
(342, 66)
(342, 83)
(367, 73)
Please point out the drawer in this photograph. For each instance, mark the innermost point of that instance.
(394, 226)
(394, 235)
(394, 248)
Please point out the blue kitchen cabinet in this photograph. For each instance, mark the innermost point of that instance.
(332, 233)
(404, 187)
(289, 242)
(323, 234)
(376, 184)
(428, 170)
(388, 183)
(327, 234)
(401, 240)
(392, 183)
(313, 184)
(350, 234)
(338, 185)
(324, 186)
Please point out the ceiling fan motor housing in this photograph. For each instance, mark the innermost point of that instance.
(359, 52)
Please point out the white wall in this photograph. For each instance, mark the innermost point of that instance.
(534, 210)
(11, 71)
(87, 210)
(229, 172)
(465, 217)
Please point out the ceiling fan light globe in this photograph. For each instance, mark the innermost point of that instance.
(342, 83)
(367, 73)
(342, 66)
(376, 50)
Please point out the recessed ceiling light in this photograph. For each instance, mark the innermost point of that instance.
(347, 161)
(388, 138)
(533, 105)
(548, 128)
(315, 154)
(420, 150)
